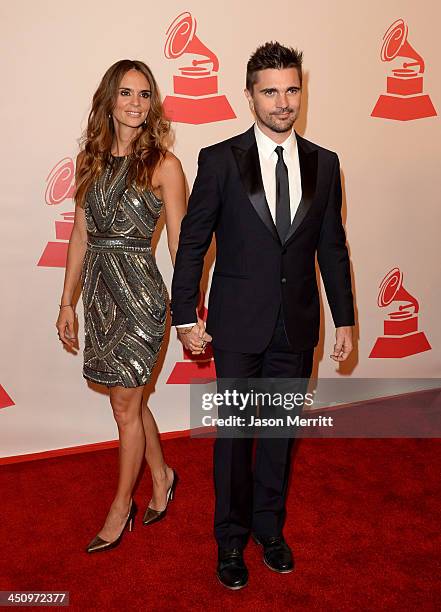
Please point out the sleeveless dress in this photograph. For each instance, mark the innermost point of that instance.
(124, 296)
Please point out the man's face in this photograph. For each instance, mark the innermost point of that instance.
(275, 99)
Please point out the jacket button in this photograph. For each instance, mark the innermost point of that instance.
(283, 280)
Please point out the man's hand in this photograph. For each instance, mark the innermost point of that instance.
(195, 340)
(343, 343)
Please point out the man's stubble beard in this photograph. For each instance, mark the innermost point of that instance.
(277, 127)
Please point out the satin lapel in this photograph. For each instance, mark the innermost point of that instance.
(308, 173)
(251, 176)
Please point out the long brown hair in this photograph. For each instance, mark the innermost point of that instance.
(147, 149)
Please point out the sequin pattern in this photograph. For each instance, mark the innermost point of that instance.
(124, 296)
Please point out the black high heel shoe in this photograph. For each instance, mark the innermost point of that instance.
(99, 545)
(153, 516)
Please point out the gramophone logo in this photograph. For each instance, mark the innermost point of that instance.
(5, 400)
(196, 98)
(401, 336)
(194, 366)
(60, 187)
(404, 100)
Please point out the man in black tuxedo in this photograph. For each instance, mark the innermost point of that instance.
(273, 200)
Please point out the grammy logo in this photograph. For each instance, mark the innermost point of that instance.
(196, 98)
(404, 100)
(5, 400)
(194, 367)
(401, 336)
(60, 187)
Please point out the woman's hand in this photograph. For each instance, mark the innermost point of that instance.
(65, 325)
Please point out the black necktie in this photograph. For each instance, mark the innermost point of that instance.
(283, 212)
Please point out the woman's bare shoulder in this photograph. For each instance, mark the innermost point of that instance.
(170, 161)
(169, 167)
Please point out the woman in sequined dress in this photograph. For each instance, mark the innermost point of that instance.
(124, 175)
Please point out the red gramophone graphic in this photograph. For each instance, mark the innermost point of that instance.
(401, 336)
(196, 87)
(61, 182)
(5, 400)
(404, 100)
(199, 367)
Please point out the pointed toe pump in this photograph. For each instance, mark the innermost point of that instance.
(100, 545)
(153, 516)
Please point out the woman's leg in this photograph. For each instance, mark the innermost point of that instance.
(126, 405)
(162, 474)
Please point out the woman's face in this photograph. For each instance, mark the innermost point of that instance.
(133, 99)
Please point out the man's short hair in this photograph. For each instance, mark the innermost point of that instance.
(272, 55)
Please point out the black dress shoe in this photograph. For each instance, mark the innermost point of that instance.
(231, 569)
(277, 554)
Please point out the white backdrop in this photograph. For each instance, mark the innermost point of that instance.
(53, 56)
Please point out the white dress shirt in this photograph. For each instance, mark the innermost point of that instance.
(268, 160)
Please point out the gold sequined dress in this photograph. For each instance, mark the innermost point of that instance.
(124, 296)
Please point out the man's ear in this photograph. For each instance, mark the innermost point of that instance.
(249, 98)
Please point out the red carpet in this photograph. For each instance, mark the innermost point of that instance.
(364, 523)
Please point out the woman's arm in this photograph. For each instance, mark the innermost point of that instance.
(171, 181)
(75, 258)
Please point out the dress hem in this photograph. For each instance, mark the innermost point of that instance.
(114, 384)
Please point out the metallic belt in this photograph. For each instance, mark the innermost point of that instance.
(125, 244)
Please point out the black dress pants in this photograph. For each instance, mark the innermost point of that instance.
(247, 497)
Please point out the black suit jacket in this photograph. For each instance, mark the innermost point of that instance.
(255, 273)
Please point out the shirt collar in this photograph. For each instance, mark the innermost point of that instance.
(267, 146)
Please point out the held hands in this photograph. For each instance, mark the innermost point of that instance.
(65, 325)
(343, 343)
(196, 339)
